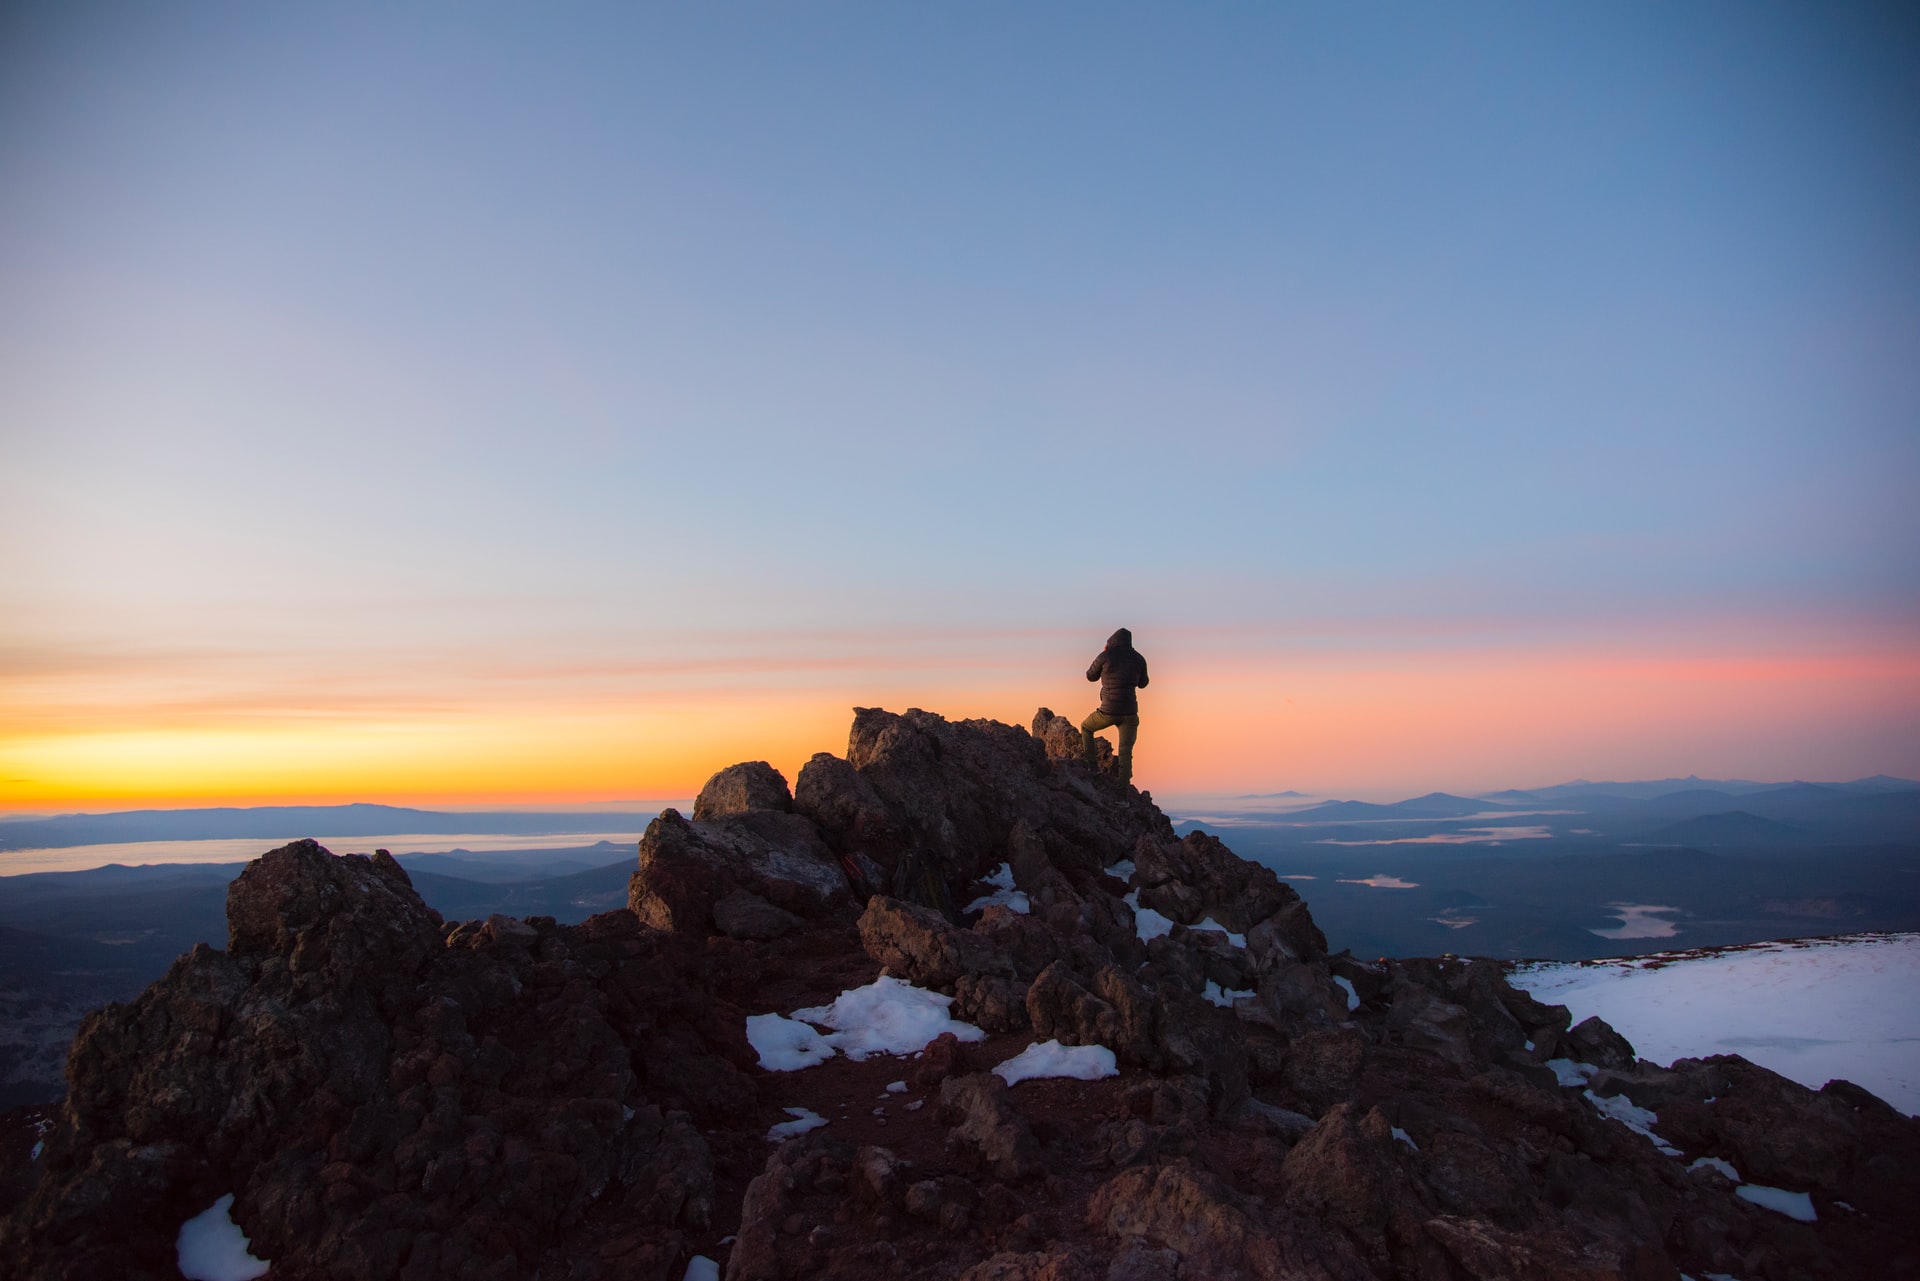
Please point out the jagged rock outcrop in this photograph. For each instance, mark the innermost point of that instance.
(388, 1095)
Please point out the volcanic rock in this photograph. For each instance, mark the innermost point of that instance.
(390, 1096)
(686, 868)
(750, 785)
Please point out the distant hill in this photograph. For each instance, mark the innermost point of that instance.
(1736, 827)
(288, 822)
(1432, 805)
(1649, 789)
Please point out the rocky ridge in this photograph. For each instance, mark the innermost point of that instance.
(391, 1095)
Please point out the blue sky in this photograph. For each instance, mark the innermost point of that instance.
(341, 340)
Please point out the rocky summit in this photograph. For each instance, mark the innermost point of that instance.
(387, 1094)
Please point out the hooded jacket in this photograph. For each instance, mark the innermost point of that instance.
(1119, 669)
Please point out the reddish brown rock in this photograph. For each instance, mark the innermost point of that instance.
(987, 1132)
(1217, 1231)
(686, 868)
(917, 944)
(387, 1096)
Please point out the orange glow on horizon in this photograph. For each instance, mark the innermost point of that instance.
(1372, 723)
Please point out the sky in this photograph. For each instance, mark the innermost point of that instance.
(492, 403)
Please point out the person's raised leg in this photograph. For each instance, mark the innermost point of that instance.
(1096, 720)
(1129, 731)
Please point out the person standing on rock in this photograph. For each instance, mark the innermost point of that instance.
(1120, 670)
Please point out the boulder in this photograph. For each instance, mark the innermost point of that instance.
(987, 1133)
(1289, 934)
(1061, 1008)
(846, 809)
(991, 1002)
(1347, 1170)
(917, 944)
(770, 1202)
(686, 868)
(1061, 740)
(1593, 1040)
(750, 785)
(1217, 1231)
(1191, 1035)
(1199, 877)
(335, 921)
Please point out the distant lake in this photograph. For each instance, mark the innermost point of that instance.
(1465, 836)
(1639, 921)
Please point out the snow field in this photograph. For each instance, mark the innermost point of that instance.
(1812, 1010)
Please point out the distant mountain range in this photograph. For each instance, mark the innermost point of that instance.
(1432, 805)
(1582, 789)
(288, 822)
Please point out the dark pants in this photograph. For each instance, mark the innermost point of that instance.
(1129, 730)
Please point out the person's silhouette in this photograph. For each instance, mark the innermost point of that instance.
(1120, 670)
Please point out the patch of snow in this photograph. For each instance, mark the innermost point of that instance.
(1405, 1138)
(1050, 1058)
(211, 1247)
(879, 1111)
(1812, 1010)
(784, 1045)
(701, 1268)
(1353, 997)
(888, 1016)
(916, 1105)
(1238, 940)
(1004, 894)
(1569, 1072)
(38, 1148)
(1147, 923)
(1715, 1163)
(1795, 1205)
(803, 1120)
(1224, 996)
(1631, 1115)
(897, 1087)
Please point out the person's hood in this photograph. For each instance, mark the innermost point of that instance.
(1122, 639)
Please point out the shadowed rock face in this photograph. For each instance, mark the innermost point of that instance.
(388, 1095)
